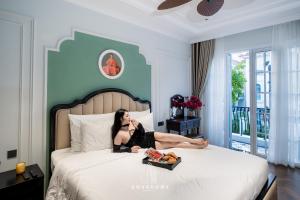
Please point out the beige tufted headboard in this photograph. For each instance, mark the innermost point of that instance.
(99, 102)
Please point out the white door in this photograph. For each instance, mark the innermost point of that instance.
(15, 88)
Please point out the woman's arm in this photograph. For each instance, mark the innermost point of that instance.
(118, 144)
(118, 149)
(138, 125)
(134, 123)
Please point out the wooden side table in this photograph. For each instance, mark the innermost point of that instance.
(13, 186)
(183, 124)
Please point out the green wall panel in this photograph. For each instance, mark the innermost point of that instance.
(73, 71)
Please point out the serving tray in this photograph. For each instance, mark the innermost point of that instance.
(163, 165)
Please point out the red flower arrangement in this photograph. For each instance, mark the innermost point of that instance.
(177, 104)
(192, 103)
(178, 101)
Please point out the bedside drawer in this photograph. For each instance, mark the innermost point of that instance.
(196, 123)
(182, 124)
(14, 186)
(189, 124)
(32, 189)
(176, 125)
(182, 127)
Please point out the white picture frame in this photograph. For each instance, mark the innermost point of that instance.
(111, 64)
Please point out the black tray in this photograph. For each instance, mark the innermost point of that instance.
(157, 164)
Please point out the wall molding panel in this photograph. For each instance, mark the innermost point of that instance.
(24, 25)
(142, 50)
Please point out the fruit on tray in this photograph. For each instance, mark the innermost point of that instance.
(156, 156)
(170, 157)
(172, 160)
(172, 154)
(166, 157)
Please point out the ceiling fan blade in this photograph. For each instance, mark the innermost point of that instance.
(171, 4)
(193, 15)
(209, 7)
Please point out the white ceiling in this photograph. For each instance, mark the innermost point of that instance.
(185, 24)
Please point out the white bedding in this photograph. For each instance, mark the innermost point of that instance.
(60, 154)
(213, 173)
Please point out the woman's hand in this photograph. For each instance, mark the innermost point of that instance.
(134, 122)
(135, 149)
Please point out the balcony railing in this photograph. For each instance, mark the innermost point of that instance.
(241, 121)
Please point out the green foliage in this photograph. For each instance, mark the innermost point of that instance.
(238, 81)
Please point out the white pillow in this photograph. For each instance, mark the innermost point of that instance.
(96, 136)
(139, 114)
(75, 121)
(147, 122)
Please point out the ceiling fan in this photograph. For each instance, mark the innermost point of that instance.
(205, 7)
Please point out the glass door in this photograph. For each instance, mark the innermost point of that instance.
(263, 102)
(240, 101)
(250, 87)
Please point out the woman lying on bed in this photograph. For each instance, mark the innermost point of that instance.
(131, 134)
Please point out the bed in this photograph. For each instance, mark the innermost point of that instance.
(211, 173)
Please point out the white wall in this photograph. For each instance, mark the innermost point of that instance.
(55, 19)
(15, 90)
(258, 38)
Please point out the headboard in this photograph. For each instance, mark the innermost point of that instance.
(98, 102)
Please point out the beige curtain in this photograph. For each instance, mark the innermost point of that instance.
(202, 55)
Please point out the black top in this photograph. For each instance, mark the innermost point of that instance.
(138, 138)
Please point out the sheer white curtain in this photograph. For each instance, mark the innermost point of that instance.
(284, 143)
(213, 112)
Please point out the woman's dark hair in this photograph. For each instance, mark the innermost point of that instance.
(117, 122)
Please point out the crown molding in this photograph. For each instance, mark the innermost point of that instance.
(175, 23)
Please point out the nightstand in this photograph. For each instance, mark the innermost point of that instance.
(14, 186)
(183, 124)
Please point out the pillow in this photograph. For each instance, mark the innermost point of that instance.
(96, 136)
(138, 114)
(75, 121)
(147, 122)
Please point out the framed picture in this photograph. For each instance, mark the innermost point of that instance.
(111, 64)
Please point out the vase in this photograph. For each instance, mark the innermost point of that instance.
(173, 112)
(191, 113)
(179, 113)
(185, 112)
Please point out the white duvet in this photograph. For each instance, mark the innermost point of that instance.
(213, 173)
